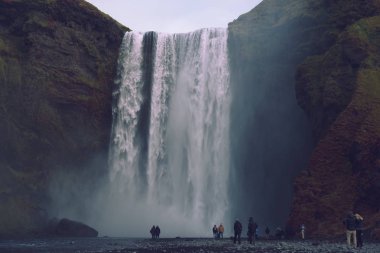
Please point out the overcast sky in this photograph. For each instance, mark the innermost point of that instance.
(174, 15)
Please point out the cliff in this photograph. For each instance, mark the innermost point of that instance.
(327, 54)
(57, 65)
(339, 90)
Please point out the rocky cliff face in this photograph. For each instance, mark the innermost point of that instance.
(339, 90)
(57, 65)
(328, 52)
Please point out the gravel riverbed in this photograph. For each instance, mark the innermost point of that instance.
(185, 245)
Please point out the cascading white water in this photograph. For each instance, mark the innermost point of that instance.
(169, 157)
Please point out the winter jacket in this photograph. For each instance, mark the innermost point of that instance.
(350, 222)
(238, 227)
(252, 226)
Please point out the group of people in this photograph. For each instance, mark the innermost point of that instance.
(155, 232)
(218, 231)
(354, 229)
(251, 233)
(353, 223)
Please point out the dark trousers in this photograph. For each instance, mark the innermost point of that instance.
(359, 238)
(251, 238)
(237, 236)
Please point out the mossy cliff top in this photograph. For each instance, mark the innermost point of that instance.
(57, 65)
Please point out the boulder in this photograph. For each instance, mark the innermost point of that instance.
(70, 228)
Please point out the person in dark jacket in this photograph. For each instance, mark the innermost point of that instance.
(215, 231)
(153, 232)
(238, 228)
(350, 223)
(267, 232)
(158, 231)
(359, 230)
(252, 226)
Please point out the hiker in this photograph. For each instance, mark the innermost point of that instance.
(252, 226)
(221, 230)
(350, 223)
(153, 231)
(302, 228)
(215, 231)
(267, 231)
(359, 230)
(158, 231)
(237, 231)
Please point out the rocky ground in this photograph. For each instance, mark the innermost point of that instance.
(123, 245)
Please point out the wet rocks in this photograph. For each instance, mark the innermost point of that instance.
(70, 228)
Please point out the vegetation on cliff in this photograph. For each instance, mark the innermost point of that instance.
(57, 65)
(339, 90)
(328, 51)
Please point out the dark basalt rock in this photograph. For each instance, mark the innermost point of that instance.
(58, 61)
(69, 228)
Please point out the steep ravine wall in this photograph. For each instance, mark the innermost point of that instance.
(57, 67)
(339, 89)
(326, 53)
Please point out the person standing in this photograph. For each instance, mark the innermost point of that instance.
(158, 231)
(350, 223)
(303, 231)
(153, 232)
(238, 228)
(221, 230)
(252, 226)
(215, 231)
(267, 231)
(359, 230)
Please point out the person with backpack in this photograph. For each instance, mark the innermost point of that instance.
(220, 230)
(359, 230)
(350, 224)
(238, 228)
(252, 226)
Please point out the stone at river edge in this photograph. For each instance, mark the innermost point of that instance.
(58, 61)
(69, 228)
(340, 91)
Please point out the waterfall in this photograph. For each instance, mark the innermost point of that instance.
(169, 151)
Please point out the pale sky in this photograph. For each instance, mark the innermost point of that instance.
(174, 16)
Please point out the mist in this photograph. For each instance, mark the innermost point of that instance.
(201, 135)
(272, 138)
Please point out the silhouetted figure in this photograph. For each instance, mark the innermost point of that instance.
(359, 230)
(252, 226)
(302, 228)
(350, 223)
(237, 231)
(220, 230)
(158, 231)
(267, 232)
(215, 231)
(153, 232)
